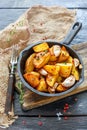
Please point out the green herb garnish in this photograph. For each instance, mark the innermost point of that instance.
(21, 91)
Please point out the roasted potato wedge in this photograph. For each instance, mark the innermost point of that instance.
(41, 47)
(70, 60)
(51, 79)
(39, 62)
(32, 78)
(51, 62)
(35, 73)
(63, 55)
(52, 56)
(65, 69)
(75, 72)
(59, 79)
(61, 88)
(29, 63)
(42, 87)
(52, 69)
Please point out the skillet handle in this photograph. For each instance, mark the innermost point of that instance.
(72, 33)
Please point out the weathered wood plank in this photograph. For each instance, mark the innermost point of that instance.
(30, 123)
(77, 106)
(29, 3)
(8, 16)
(78, 103)
(8, 3)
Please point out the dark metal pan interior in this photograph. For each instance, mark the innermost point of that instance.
(28, 51)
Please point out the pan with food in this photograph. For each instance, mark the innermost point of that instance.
(49, 68)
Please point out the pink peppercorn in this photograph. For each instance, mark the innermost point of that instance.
(65, 118)
(40, 123)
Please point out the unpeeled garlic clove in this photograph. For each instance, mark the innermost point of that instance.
(56, 50)
(68, 82)
(76, 62)
(43, 72)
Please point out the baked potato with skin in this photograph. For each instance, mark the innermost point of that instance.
(41, 47)
(65, 69)
(29, 63)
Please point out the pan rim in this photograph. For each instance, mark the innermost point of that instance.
(43, 93)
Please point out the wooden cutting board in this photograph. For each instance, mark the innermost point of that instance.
(32, 100)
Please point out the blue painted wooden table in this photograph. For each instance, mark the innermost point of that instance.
(10, 10)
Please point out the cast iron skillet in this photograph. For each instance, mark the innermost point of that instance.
(28, 51)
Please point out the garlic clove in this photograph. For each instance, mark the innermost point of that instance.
(56, 50)
(68, 82)
(76, 62)
(43, 72)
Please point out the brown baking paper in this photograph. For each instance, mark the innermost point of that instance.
(36, 24)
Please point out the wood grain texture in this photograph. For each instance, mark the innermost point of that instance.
(53, 123)
(29, 3)
(77, 106)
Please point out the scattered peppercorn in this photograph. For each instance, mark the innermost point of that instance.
(65, 117)
(66, 107)
(24, 122)
(40, 123)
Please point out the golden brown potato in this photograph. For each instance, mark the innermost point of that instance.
(32, 79)
(29, 63)
(61, 88)
(40, 61)
(52, 56)
(75, 72)
(35, 73)
(63, 55)
(51, 62)
(65, 69)
(59, 79)
(70, 60)
(52, 69)
(41, 47)
(42, 87)
(51, 79)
